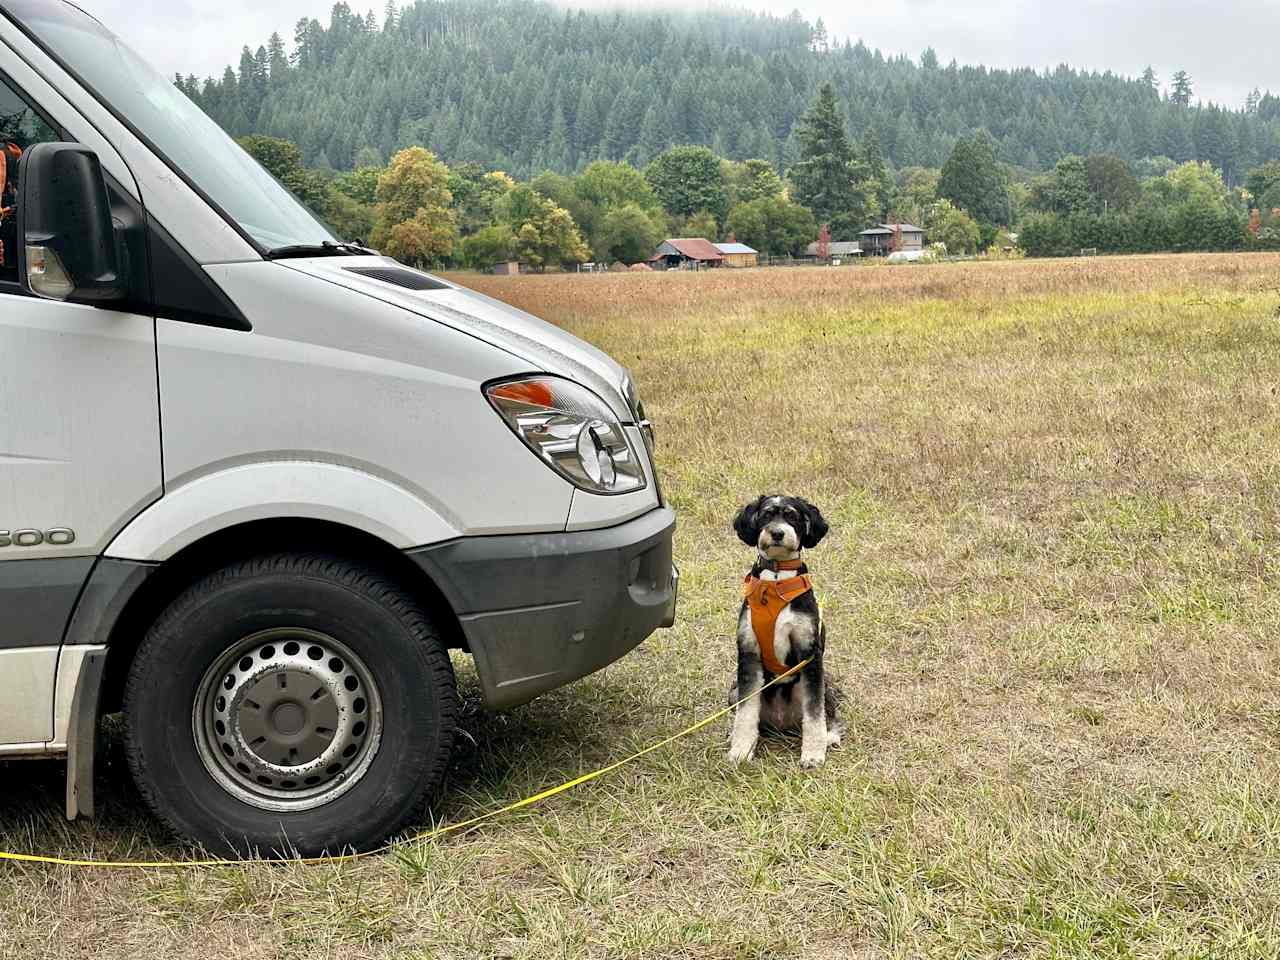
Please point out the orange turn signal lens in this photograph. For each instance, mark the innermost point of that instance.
(526, 391)
(572, 430)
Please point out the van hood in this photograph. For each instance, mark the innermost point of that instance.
(544, 346)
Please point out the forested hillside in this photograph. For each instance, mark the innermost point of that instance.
(523, 86)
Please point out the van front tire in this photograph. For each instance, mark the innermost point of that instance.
(295, 704)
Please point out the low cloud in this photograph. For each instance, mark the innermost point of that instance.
(1224, 45)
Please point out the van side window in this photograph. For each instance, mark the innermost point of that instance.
(20, 127)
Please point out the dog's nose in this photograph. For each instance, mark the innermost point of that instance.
(777, 535)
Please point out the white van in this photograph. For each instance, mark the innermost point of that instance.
(255, 482)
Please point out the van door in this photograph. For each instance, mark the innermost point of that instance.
(79, 446)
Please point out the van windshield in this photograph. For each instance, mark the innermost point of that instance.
(179, 130)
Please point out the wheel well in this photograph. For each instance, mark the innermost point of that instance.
(253, 539)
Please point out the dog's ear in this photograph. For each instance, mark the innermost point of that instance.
(744, 524)
(815, 525)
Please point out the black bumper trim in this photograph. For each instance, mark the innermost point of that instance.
(38, 598)
(542, 610)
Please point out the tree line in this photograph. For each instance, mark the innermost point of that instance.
(522, 86)
(421, 210)
(1095, 203)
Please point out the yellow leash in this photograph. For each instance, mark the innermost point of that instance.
(427, 835)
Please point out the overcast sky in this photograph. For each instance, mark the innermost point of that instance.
(1228, 46)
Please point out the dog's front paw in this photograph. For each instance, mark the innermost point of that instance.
(813, 758)
(741, 752)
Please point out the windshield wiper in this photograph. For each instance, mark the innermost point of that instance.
(326, 248)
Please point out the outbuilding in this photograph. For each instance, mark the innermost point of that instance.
(686, 253)
(738, 255)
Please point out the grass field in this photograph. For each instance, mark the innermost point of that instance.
(1054, 490)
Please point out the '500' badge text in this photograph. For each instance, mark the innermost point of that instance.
(57, 537)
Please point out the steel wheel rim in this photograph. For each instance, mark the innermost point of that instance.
(287, 719)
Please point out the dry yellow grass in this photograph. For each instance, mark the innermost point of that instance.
(1054, 491)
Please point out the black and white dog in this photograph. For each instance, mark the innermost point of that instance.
(779, 626)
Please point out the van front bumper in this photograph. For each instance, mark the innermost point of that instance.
(541, 610)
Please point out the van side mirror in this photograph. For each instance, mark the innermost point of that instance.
(67, 245)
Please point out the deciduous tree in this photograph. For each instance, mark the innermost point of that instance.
(419, 242)
(702, 224)
(608, 184)
(415, 180)
(348, 218)
(751, 180)
(773, 225)
(605, 187)
(1065, 190)
(628, 233)
(488, 246)
(688, 180)
(916, 190)
(283, 160)
(413, 192)
(544, 233)
(950, 225)
(360, 184)
(1260, 181)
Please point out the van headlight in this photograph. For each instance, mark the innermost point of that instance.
(571, 429)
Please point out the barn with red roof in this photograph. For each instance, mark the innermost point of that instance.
(689, 253)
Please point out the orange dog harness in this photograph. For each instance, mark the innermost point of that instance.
(767, 599)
